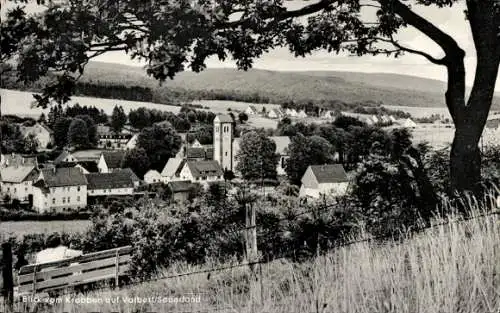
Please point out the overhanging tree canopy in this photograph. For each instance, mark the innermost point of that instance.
(172, 35)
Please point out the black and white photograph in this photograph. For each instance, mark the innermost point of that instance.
(249, 156)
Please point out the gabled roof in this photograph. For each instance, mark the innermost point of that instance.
(253, 108)
(113, 180)
(18, 174)
(61, 157)
(173, 167)
(180, 186)
(131, 173)
(87, 155)
(19, 160)
(195, 153)
(113, 158)
(329, 173)
(282, 143)
(62, 177)
(223, 118)
(204, 168)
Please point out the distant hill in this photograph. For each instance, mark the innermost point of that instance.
(349, 87)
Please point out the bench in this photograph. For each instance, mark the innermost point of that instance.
(81, 270)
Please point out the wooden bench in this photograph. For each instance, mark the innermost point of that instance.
(77, 271)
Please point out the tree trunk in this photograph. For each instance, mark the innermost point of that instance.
(470, 119)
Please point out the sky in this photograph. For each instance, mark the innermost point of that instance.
(450, 20)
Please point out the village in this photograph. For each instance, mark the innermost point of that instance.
(78, 177)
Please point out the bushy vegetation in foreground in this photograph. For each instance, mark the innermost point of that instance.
(452, 267)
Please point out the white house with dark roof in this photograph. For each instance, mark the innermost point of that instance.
(153, 177)
(41, 132)
(291, 112)
(328, 180)
(110, 161)
(202, 172)
(118, 183)
(276, 114)
(302, 114)
(172, 170)
(60, 189)
(17, 173)
(251, 110)
(17, 181)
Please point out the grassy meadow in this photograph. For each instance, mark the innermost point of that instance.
(21, 228)
(453, 267)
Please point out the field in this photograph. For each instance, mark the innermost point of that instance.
(19, 103)
(22, 228)
(452, 267)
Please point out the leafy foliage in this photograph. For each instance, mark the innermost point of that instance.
(257, 158)
(160, 143)
(118, 119)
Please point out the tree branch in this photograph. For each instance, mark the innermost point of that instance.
(429, 57)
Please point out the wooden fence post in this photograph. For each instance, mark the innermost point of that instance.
(117, 267)
(8, 278)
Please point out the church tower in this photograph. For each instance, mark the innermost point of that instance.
(223, 141)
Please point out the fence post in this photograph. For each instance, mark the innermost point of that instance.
(8, 278)
(117, 267)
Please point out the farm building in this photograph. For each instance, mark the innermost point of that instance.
(251, 110)
(180, 190)
(107, 139)
(118, 183)
(172, 169)
(302, 114)
(276, 114)
(291, 112)
(327, 180)
(153, 177)
(17, 181)
(202, 171)
(407, 123)
(60, 189)
(42, 134)
(110, 161)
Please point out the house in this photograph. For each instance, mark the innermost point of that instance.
(172, 170)
(324, 180)
(384, 119)
(276, 114)
(118, 183)
(132, 143)
(107, 139)
(251, 110)
(328, 114)
(201, 171)
(86, 158)
(110, 161)
(60, 189)
(392, 119)
(17, 182)
(302, 114)
(291, 112)
(135, 179)
(14, 159)
(180, 190)
(153, 177)
(196, 144)
(407, 123)
(41, 132)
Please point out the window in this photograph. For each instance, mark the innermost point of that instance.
(53, 200)
(63, 200)
(226, 153)
(216, 129)
(69, 199)
(78, 199)
(204, 178)
(78, 188)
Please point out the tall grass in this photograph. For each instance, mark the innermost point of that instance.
(452, 267)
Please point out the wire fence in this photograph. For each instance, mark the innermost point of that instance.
(252, 265)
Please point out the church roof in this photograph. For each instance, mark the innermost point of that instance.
(223, 118)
